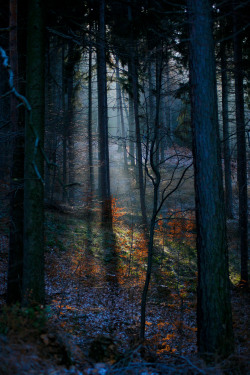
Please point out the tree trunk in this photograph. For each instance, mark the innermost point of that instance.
(33, 270)
(15, 264)
(118, 109)
(104, 177)
(90, 137)
(139, 165)
(215, 335)
(134, 80)
(241, 147)
(131, 127)
(226, 146)
(64, 130)
(156, 179)
(70, 123)
(120, 113)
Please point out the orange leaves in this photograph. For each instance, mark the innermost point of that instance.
(117, 212)
(182, 226)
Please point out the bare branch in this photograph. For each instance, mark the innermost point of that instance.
(13, 90)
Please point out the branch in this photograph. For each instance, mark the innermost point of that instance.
(13, 90)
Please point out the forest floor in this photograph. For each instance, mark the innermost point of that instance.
(94, 281)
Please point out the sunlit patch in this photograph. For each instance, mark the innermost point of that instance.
(96, 284)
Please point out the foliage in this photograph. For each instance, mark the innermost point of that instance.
(17, 319)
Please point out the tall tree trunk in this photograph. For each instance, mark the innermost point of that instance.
(120, 113)
(139, 163)
(65, 129)
(15, 265)
(104, 176)
(118, 116)
(215, 334)
(33, 270)
(156, 179)
(131, 128)
(226, 146)
(90, 137)
(70, 124)
(134, 81)
(241, 146)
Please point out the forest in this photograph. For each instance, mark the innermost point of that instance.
(124, 166)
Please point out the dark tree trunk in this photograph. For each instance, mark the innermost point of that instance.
(226, 146)
(119, 127)
(131, 128)
(215, 335)
(90, 137)
(134, 81)
(241, 147)
(156, 179)
(70, 124)
(104, 177)
(65, 129)
(33, 270)
(15, 265)
(139, 163)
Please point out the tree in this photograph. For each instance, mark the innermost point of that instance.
(104, 177)
(120, 113)
(90, 137)
(33, 262)
(15, 264)
(226, 146)
(241, 145)
(134, 81)
(214, 321)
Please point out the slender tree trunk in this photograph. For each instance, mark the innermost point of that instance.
(90, 137)
(15, 265)
(134, 80)
(119, 128)
(33, 270)
(215, 334)
(70, 124)
(104, 176)
(65, 129)
(120, 113)
(241, 147)
(168, 104)
(226, 146)
(138, 139)
(131, 127)
(156, 184)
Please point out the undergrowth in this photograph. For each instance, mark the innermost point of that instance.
(19, 319)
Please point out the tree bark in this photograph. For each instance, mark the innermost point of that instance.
(138, 138)
(215, 335)
(65, 126)
(70, 122)
(134, 81)
(241, 147)
(104, 176)
(226, 146)
(90, 140)
(120, 113)
(15, 264)
(33, 270)
(131, 127)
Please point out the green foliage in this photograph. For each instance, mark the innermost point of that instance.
(16, 318)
